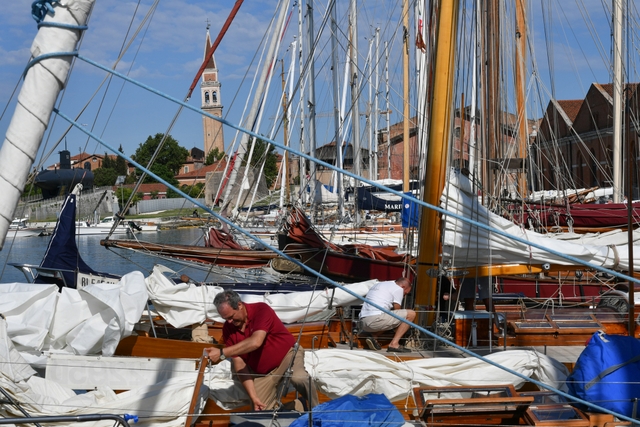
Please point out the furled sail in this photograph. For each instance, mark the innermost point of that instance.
(58, 35)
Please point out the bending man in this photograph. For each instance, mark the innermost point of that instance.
(261, 349)
(388, 295)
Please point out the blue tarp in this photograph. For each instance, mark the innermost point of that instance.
(607, 373)
(351, 411)
(410, 212)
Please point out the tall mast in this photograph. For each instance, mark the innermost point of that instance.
(439, 133)
(303, 161)
(257, 100)
(617, 101)
(355, 92)
(370, 111)
(376, 108)
(285, 159)
(311, 104)
(387, 112)
(473, 146)
(521, 113)
(405, 95)
(336, 107)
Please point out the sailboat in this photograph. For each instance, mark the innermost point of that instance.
(370, 371)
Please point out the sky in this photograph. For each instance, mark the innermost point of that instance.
(168, 52)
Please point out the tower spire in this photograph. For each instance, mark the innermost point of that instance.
(211, 101)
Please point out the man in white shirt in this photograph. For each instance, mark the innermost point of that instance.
(388, 295)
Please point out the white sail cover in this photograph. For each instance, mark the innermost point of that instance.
(467, 245)
(357, 372)
(37, 97)
(324, 194)
(165, 403)
(85, 321)
(187, 304)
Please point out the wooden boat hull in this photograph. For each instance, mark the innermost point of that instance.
(238, 258)
(354, 268)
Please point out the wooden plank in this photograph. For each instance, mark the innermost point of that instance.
(196, 392)
(160, 347)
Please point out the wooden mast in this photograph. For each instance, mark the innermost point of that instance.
(405, 86)
(439, 132)
(521, 113)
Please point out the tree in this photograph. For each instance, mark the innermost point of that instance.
(107, 163)
(104, 177)
(120, 164)
(261, 151)
(213, 156)
(171, 157)
(124, 194)
(195, 190)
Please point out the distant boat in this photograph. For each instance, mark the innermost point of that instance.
(104, 227)
(19, 228)
(374, 199)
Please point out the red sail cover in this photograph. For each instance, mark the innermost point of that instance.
(219, 239)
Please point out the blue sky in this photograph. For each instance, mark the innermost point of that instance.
(173, 47)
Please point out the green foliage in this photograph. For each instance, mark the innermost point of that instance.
(111, 168)
(261, 151)
(120, 164)
(107, 163)
(213, 156)
(193, 190)
(163, 172)
(31, 190)
(172, 194)
(124, 194)
(169, 159)
(104, 177)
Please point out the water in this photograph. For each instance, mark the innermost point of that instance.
(30, 250)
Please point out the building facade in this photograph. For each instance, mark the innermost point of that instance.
(210, 91)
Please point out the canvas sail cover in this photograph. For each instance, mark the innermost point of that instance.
(62, 251)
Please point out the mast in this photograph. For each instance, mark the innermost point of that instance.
(59, 32)
(521, 113)
(439, 133)
(311, 104)
(387, 112)
(376, 108)
(370, 111)
(284, 183)
(617, 101)
(493, 144)
(405, 95)
(336, 107)
(303, 161)
(473, 146)
(355, 109)
(253, 111)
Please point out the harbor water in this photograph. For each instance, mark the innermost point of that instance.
(31, 250)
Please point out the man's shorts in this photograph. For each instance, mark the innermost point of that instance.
(468, 288)
(382, 321)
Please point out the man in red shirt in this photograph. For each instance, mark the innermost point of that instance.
(261, 349)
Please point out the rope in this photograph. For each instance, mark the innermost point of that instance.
(40, 9)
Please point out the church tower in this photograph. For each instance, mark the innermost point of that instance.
(211, 103)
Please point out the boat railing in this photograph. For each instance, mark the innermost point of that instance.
(118, 420)
(32, 271)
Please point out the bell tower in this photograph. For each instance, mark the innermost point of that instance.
(211, 103)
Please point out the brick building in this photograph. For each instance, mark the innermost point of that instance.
(574, 145)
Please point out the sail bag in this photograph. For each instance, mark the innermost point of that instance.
(606, 373)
